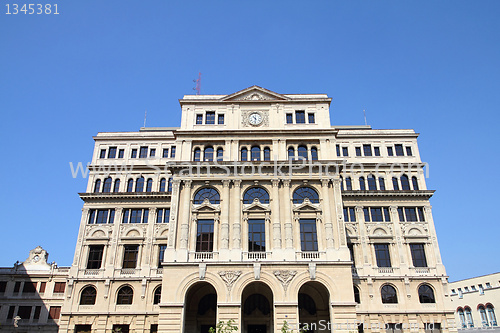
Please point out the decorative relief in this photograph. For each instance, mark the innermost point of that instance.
(245, 118)
(229, 277)
(285, 277)
(254, 97)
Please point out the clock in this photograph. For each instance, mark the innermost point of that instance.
(255, 119)
(36, 258)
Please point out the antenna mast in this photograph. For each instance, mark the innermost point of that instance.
(364, 112)
(198, 84)
(145, 115)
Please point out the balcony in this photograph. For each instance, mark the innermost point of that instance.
(92, 272)
(204, 255)
(385, 270)
(310, 255)
(420, 270)
(256, 255)
(129, 271)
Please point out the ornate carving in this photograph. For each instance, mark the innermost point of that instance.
(226, 182)
(285, 277)
(229, 277)
(275, 182)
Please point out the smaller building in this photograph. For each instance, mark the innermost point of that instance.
(32, 294)
(474, 301)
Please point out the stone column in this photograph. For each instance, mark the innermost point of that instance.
(399, 240)
(363, 236)
(174, 202)
(433, 238)
(224, 220)
(275, 214)
(186, 196)
(237, 214)
(288, 215)
(327, 214)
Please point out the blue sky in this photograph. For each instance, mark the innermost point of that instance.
(433, 66)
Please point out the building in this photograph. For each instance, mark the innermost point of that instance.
(474, 301)
(256, 209)
(32, 294)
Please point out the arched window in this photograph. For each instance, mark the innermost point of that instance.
(139, 185)
(461, 315)
(291, 153)
(117, 186)
(125, 296)
(267, 154)
(388, 294)
(357, 299)
(314, 153)
(415, 183)
(381, 183)
(305, 192)
(395, 184)
(372, 183)
(426, 294)
(220, 154)
(255, 153)
(341, 183)
(157, 296)
(256, 301)
(244, 154)
(482, 314)
(256, 193)
(405, 183)
(149, 185)
(302, 152)
(348, 184)
(130, 185)
(106, 188)
(169, 189)
(163, 184)
(97, 186)
(88, 296)
(307, 303)
(208, 154)
(197, 154)
(362, 185)
(491, 314)
(468, 316)
(206, 193)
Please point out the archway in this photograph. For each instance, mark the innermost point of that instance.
(314, 309)
(257, 308)
(200, 308)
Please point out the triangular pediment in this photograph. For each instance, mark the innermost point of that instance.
(307, 206)
(206, 207)
(256, 206)
(255, 94)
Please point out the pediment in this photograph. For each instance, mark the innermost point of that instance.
(256, 206)
(307, 206)
(255, 94)
(206, 207)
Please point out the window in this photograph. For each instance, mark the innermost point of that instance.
(130, 253)
(300, 117)
(256, 235)
(481, 289)
(95, 256)
(10, 315)
(244, 154)
(143, 153)
(130, 185)
(121, 328)
(377, 214)
(3, 286)
(267, 154)
(258, 193)
(345, 151)
(357, 299)
(199, 119)
(349, 214)
(388, 294)
(426, 294)
(376, 151)
(488, 285)
(289, 118)
(25, 312)
(338, 150)
(382, 254)
(36, 315)
(491, 314)
(88, 296)
(107, 185)
(390, 151)
(169, 188)
(302, 152)
(367, 150)
(291, 153)
(362, 185)
(101, 216)
(308, 236)
(220, 119)
(461, 315)
(460, 294)
(408, 151)
(125, 296)
(97, 186)
(220, 154)
(348, 184)
(350, 246)
(405, 183)
(415, 183)
(395, 184)
(112, 152)
(205, 236)
(83, 329)
(197, 154)
(411, 214)
(59, 287)
(54, 312)
(206, 193)
(381, 183)
(165, 153)
(152, 152)
(255, 153)
(208, 154)
(29, 287)
(163, 215)
(154, 328)
(161, 254)
(310, 117)
(210, 118)
(17, 287)
(133, 153)
(358, 151)
(117, 186)
(121, 153)
(157, 295)
(399, 150)
(300, 194)
(468, 315)
(135, 215)
(103, 153)
(139, 184)
(418, 255)
(482, 314)
(314, 153)
(172, 151)
(372, 183)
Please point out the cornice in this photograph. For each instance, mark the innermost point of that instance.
(389, 193)
(90, 197)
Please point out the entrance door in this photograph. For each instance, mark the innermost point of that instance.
(257, 329)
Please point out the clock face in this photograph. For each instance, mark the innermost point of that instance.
(36, 258)
(255, 118)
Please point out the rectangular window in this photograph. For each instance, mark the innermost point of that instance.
(311, 119)
(36, 315)
(338, 150)
(300, 117)
(220, 119)
(205, 236)
(121, 153)
(161, 254)
(308, 236)
(133, 154)
(17, 287)
(103, 153)
(112, 152)
(29, 287)
(289, 118)
(418, 255)
(351, 252)
(101, 216)
(358, 151)
(345, 151)
(376, 151)
(210, 118)
(488, 285)
(349, 214)
(408, 151)
(165, 153)
(411, 214)
(59, 287)
(367, 150)
(10, 315)
(172, 151)
(256, 236)
(24, 312)
(143, 153)
(95, 256)
(399, 150)
(163, 215)
(481, 289)
(199, 119)
(390, 151)
(135, 215)
(3, 286)
(152, 152)
(130, 254)
(382, 255)
(54, 312)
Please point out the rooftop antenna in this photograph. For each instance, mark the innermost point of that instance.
(364, 112)
(198, 84)
(145, 115)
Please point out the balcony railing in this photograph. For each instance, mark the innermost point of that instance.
(203, 255)
(386, 270)
(129, 271)
(256, 255)
(421, 270)
(309, 255)
(92, 272)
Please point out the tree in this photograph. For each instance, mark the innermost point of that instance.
(224, 328)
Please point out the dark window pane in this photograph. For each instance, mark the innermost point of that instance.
(381, 183)
(161, 254)
(302, 152)
(395, 183)
(352, 214)
(399, 150)
(390, 151)
(130, 185)
(411, 214)
(362, 185)
(338, 150)
(95, 256)
(205, 236)
(103, 153)
(376, 214)
(165, 153)
(367, 150)
(418, 255)
(414, 183)
(139, 185)
(97, 186)
(256, 235)
(382, 254)
(107, 185)
(372, 183)
(255, 153)
(421, 216)
(143, 153)
(199, 119)
(345, 151)
(387, 216)
(358, 151)
(256, 193)
(206, 193)
(300, 117)
(210, 118)
(220, 119)
(220, 154)
(244, 154)
(308, 236)
(426, 294)
(36, 315)
(172, 151)
(401, 214)
(152, 152)
(348, 184)
(125, 297)
(88, 296)
(29, 287)
(112, 152)
(149, 185)
(300, 194)
(366, 212)
(130, 256)
(267, 154)
(388, 294)
(121, 153)
(314, 154)
(133, 154)
(408, 151)
(311, 118)
(291, 153)
(376, 151)
(289, 118)
(405, 183)
(24, 312)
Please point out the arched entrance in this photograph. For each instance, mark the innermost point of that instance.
(314, 309)
(257, 308)
(200, 308)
